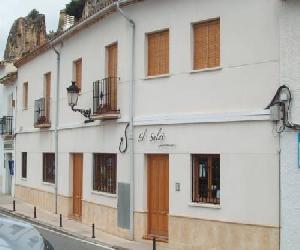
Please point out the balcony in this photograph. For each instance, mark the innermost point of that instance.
(42, 113)
(6, 123)
(105, 99)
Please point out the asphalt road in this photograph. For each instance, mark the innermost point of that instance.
(65, 242)
(61, 241)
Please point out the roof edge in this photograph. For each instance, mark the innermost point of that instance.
(73, 30)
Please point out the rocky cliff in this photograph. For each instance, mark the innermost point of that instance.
(25, 34)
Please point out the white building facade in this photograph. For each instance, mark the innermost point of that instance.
(8, 76)
(206, 158)
(290, 171)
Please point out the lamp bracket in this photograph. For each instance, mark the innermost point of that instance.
(85, 112)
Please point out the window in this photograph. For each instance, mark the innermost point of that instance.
(24, 165)
(25, 95)
(49, 167)
(158, 53)
(207, 44)
(105, 173)
(206, 178)
(78, 72)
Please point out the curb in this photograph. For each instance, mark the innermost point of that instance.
(56, 229)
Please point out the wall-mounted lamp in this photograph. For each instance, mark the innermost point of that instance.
(73, 92)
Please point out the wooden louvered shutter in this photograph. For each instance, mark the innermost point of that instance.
(214, 43)
(112, 68)
(200, 46)
(158, 53)
(195, 178)
(207, 44)
(164, 53)
(25, 95)
(153, 62)
(78, 73)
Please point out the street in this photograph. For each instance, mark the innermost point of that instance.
(61, 241)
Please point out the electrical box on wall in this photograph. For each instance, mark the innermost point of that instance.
(275, 113)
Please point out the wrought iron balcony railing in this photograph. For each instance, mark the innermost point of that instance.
(42, 113)
(6, 125)
(105, 97)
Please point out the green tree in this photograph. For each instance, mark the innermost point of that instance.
(33, 14)
(75, 8)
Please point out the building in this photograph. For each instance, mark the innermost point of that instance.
(289, 139)
(205, 171)
(8, 76)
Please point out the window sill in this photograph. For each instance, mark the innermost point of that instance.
(104, 194)
(205, 205)
(48, 183)
(23, 179)
(206, 70)
(157, 76)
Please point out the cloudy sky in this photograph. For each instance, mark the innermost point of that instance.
(12, 9)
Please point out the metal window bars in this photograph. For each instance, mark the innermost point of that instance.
(105, 96)
(42, 111)
(6, 126)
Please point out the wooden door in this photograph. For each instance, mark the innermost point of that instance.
(158, 195)
(112, 71)
(77, 185)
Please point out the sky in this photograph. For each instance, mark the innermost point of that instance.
(12, 9)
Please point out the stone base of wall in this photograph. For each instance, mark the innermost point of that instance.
(140, 225)
(191, 234)
(44, 200)
(184, 233)
(104, 217)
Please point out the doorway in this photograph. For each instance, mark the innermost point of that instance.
(77, 185)
(158, 195)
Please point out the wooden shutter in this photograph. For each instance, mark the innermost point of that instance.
(207, 44)
(214, 43)
(112, 52)
(78, 73)
(47, 95)
(158, 53)
(112, 71)
(200, 46)
(25, 95)
(195, 178)
(47, 85)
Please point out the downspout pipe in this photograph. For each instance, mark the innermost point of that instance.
(56, 126)
(131, 115)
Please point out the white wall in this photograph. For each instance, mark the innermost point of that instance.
(290, 172)
(5, 93)
(245, 83)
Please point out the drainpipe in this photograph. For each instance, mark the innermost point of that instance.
(131, 114)
(14, 129)
(56, 126)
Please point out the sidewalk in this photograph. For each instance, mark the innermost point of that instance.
(70, 227)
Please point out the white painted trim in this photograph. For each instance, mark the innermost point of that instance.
(204, 205)
(104, 194)
(48, 184)
(206, 70)
(157, 76)
(166, 119)
(169, 119)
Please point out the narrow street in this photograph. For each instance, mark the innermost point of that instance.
(60, 241)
